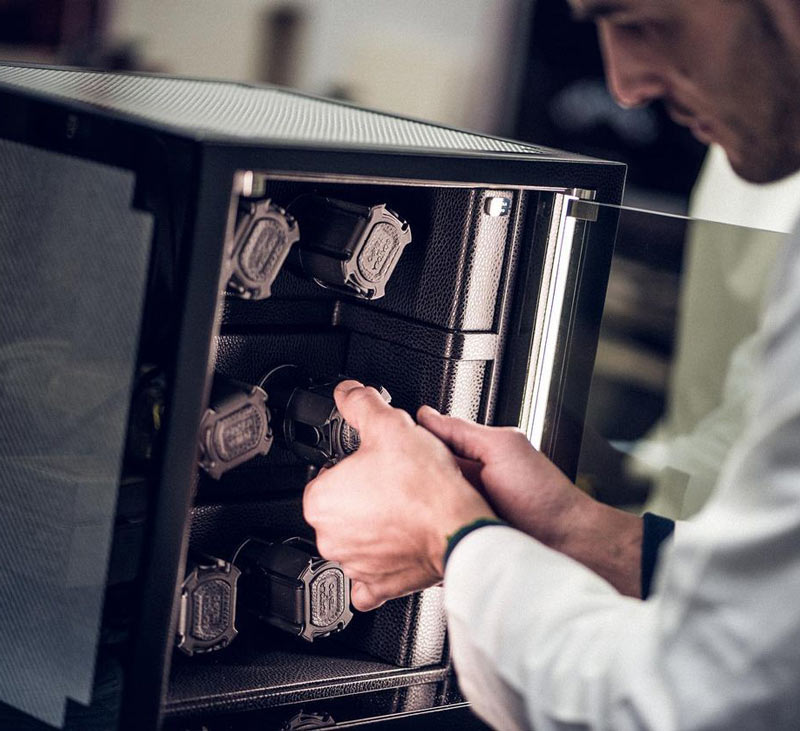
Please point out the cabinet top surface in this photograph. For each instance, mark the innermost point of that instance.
(230, 111)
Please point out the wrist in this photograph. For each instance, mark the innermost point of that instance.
(564, 520)
(473, 512)
(608, 541)
(454, 538)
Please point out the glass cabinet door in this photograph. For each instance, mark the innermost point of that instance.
(677, 359)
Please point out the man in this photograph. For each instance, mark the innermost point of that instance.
(542, 632)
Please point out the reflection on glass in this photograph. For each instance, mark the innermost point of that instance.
(677, 359)
(74, 262)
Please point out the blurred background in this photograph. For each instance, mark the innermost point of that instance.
(514, 68)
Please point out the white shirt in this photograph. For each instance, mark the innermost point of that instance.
(724, 284)
(539, 641)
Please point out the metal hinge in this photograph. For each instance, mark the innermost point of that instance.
(582, 210)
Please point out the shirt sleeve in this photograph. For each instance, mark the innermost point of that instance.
(539, 641)
(655, 530)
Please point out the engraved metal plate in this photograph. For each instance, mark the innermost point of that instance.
(265, 249)
(378, 252)
(239, 432)
(351, 439)
(327, 597)
(211, 610)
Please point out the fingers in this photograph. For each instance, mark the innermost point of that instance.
(371, 594)
(477, 442)
(465, 438)
(316, 499)
(310, 512)
(362, 407)
(471, 469)
(364, 598)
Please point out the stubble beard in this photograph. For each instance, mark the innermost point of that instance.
(766, 146)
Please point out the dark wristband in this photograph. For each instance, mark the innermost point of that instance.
(655, 531)
(465, 530)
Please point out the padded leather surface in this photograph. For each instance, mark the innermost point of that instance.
(375, 708)
(454, 272)
(409, 631)
(448, 276)
(274, 312)
(411, 376)
(219, 528)
(255, 480)
(414, 378)
(270, 668)
(432, 339)
(248, 359)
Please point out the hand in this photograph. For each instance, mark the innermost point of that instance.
(385, 511)
(532, 494)
(524, 487)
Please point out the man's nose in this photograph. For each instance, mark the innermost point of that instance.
(633, 74)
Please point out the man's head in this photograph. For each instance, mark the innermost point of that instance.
(727, 69)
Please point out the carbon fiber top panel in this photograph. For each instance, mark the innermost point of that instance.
(232, 110)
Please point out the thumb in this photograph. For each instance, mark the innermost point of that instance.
(359, 405)
(465, 438)
(363, 598)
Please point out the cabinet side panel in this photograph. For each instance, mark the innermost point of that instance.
(73, 267)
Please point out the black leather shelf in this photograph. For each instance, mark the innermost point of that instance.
(269, 669)
(424, 705)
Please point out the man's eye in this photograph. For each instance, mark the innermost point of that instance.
(632, 29)
(662, 28)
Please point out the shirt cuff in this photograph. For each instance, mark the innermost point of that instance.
(655, 531)
(454, 539)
